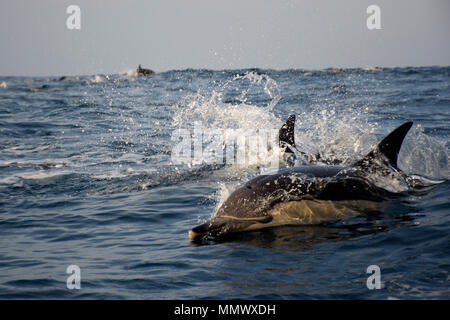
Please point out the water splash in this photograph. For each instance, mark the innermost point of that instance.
(424, 155)
(341, 136)
(223, 107)
(99, 79)
(132, 73)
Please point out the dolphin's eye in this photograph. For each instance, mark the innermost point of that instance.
(249, 186)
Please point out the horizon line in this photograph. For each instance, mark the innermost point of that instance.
(230, 69)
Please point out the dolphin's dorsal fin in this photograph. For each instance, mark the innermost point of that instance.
(389, 147)
(286, 134)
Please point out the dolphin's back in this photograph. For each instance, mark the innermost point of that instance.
(333, 183)
(319, 171)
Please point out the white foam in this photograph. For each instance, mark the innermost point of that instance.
(131, 73)
(43, 174)
(372, 69)
(109, 175)
(98, 79)
(11, 180)
(49, 163)
(3, 85)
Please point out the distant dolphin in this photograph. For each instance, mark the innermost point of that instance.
(309, 194)
(337, 70)
(141, 71)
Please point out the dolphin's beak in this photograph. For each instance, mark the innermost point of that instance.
(212, 226)
(217, 226)
(192, 235)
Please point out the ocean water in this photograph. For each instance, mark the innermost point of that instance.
(88, 178)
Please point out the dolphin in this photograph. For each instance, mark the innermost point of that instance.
(142, 72)
(311, 194)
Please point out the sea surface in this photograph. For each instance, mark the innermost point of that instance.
(88, 177)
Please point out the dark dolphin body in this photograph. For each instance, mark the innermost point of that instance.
(143, 72)
(309, 194)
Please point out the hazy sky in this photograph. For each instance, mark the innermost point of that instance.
(116, 36)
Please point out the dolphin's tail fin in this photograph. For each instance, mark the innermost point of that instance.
(389, 147)
(286, 134)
